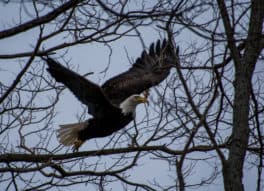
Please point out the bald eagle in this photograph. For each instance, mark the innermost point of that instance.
(113, 104)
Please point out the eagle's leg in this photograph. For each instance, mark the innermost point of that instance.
(76, 145)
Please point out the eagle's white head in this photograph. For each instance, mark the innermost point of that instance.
(129, 105)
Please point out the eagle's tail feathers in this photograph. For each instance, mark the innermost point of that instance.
(68, 134)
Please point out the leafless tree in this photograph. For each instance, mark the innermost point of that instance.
(204, 125)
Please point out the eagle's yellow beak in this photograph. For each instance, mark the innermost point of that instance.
(140, 99)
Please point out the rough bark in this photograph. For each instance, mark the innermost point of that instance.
(244, 68)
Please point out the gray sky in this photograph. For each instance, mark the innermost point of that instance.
(94, 58)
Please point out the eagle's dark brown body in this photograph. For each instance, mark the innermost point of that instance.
(102, 128)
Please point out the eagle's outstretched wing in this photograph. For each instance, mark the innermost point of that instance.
(148, 70)
(86, 91)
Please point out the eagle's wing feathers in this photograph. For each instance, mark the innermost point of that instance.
(86, 91)
(148, 70)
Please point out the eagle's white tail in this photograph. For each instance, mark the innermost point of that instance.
(68, 134)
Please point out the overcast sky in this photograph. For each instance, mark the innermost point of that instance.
(94, 58)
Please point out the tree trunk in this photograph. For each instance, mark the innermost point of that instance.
(233, 167)
(244, 68)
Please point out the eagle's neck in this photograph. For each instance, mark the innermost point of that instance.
(128, 106)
